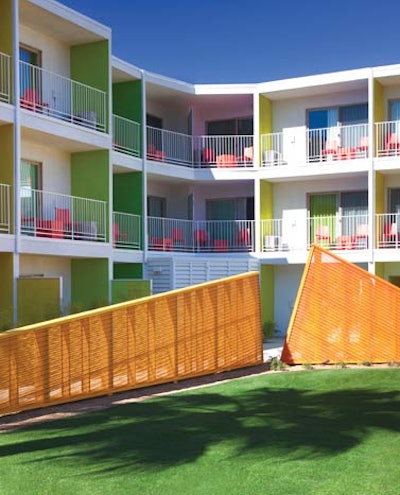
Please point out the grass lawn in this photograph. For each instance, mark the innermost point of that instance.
(308, 432)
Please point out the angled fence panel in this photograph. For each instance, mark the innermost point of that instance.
(181, 334)
(342, 314)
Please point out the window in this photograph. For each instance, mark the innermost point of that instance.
(156, 207)
(230, 127)
(30, 77)
(30, 184)
(230, 209)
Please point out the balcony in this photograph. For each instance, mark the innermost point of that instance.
(126, 231)
(296, 146)
(51, 94)
(4, 209)
(201, 236)
(5, 84)
(126, 136)
(387, 138)
(201, 151)
(388, 230)
(338, 232)
(59, 216)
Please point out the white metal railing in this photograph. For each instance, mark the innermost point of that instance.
(170, 234)
(169, 146)
(388, 230)
(339, 231)
(272, 149)
(126, 136)
(224, 151)
(342, 142)
(126, 230)
(4, 208)
(271, 235)
(387, 138)
(5, 84)
(48, 214)
(51, 94)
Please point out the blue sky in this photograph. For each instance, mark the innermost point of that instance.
(232, 41)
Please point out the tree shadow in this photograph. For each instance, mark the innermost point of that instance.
(178, 429)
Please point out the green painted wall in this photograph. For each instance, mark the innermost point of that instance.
(379, 193)
(38, 299)
(6, 291)
(7, 163)
(89, 284)
(90, 64)
(380, 270)
(379, 102)
(128, 270)
(266, 127)
(6, 44)
(127, 100)
(267, 295)
(90, 176)
(266, 200)
(127, 193)
(127, 290)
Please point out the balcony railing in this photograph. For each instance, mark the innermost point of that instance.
(272, 149)
(388, 230)
(387, 138)
(223, 151)
(59, 216)
(168, 146)
(51, 94)
(126, 136)
(5, 84)
(4, 208)
(126, 231)
(220, 236)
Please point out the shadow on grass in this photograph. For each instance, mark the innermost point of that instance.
(178, 429)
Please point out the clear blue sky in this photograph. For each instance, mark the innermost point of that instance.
(232, 41)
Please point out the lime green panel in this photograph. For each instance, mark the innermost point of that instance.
(128, 270)
(38, 299)
(127, 193)
(379, 103)
(266, 200)
(90, 174)
(380, 270)
(6, 291)
(379, 193)
(127, 100)
(6, 36)
(267, 295)
(127, 290)
(90, 64)
(7, 163)
(89, 284)
(265, 115)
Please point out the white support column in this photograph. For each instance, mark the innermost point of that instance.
(144, 169)
(371, 176)
(17, 154)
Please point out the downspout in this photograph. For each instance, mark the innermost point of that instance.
(17, 155)
(144, 171)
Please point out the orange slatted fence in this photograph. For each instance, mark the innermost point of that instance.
(342, 314)
(181, 334)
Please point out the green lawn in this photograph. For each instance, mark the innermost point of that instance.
(308, 432)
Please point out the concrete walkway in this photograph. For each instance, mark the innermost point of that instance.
(273, 347)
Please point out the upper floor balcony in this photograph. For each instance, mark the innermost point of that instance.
(201, 236)
(126, 136)
(199, 151)
(4, 209)
(57, 96)
(5, 83)
(126, 231)
(61, 216)
(297, 146)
